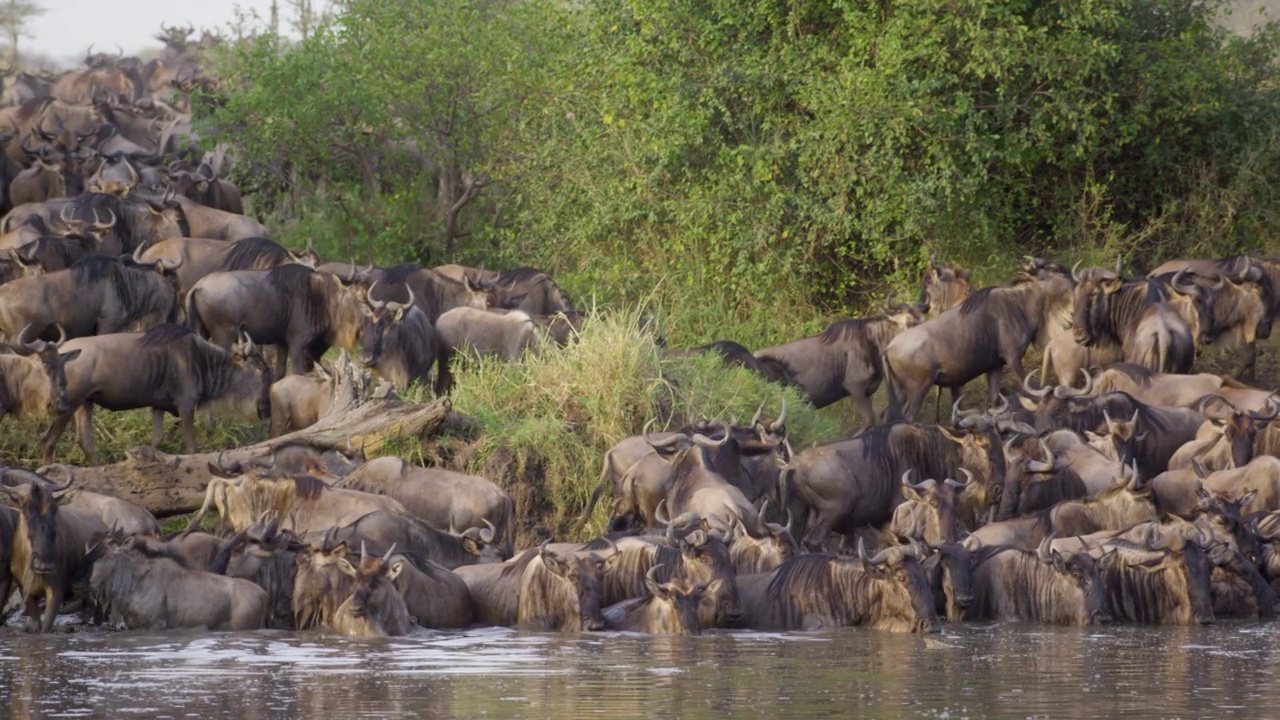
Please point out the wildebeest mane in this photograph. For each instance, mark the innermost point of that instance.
(31, 109)
(253, 253)
(520, 274)
(806, 574)
(309, 487)
(896, 447)
(93, 268)
(163, 335)
(1137, 373)
(399, 274)
(845, 330)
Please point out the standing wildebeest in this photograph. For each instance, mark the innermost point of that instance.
(138, 221)
(816, 591)
(169, 370)
(854, 483)
(1173, 390)
(208, 222)
(96, 296)
(523, 288)
(195, 258)
(443, 498)
(48, 545)
(990, 329)
(400, 345)
(203, 186)
(668, 608)
(943, 287)
(1016, 585)
(433, 292)
(843, 361)
(505, 334)
(299, 401)
(1136, 314)
(291, 305)
(133, 589)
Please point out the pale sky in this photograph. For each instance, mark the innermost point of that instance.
(67, 27)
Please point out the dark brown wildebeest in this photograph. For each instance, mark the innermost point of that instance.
(203, 186)
(928, 512)
(114, 512)
(433, 292)
(46, 254)
(435, 596)
(668, 608)
(810, 592)
(1138, 315)
(854, 483)
(267, 557)
(290, 305)
(505, 334)
(523, 288)
(1163, 580)
(33, 378)
(298, 401)
(990, 329)
(737, 355)
(1242, 270)
(383, 529)
(171, 371)
(8, 526)
(540, 589)
(195, 258)
(757, 551)
(943, 287)
(359, 600)
(52, 174)
(843, 361)
(96, 296)
(443, 498)
(949, 567)
(48, 545)
(132, 589)
(400, 345)
(139, 221)
(1016, 585)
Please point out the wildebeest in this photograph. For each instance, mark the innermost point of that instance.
(854, 483)
(1163, 580)
(888, 592)
(434, 595)
(169, 370)
(443, 498)
(949, 567)
(382, 529)
(523, 288)
(1137, 315)
(298, 401)
(990, 329)
(433, 292)
(114, 512)
(131, 589)
(208, 222)
(943, 287)
(400, 345)
(195, 258)
(267, 557)
(33, 378)
(375, 608)
(928, 512)
(290, 305)
(48, 545)
(1228, 437)
(8, 526)
(96, 296)
(843, 361)
(505, 334)
(668, 608)
(1017, 585)
(1174, 390)
(540, 589)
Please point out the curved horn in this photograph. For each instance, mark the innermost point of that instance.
(1074, 268)
(955, 407)
(62, 335)
(961, 485)
(489, 533)
(1269, 404)
(368, 296)
(1001, 408)
(907, 482)
(1042, 466)
(710, 444)
(1026, 387)
(1044, 551)
(390, 550)
(1177, 283)
(363, 554)
(106, 225)
(759, 411)
(782, 418)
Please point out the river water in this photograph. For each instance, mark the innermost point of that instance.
(971, 671)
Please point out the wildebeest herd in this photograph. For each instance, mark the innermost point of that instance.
(1129, 491)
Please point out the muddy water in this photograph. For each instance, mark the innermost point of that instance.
(968, 672)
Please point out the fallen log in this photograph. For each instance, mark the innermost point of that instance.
(365, 414)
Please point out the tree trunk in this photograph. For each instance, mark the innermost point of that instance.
(366, 413)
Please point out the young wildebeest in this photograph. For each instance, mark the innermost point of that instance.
(669, 608)
(48, 544)
(990, 329)
(504, 334)
(167, 369)
(1015, 585)
(815, 591)
(299, 401)
(132, 589)
(843, 361)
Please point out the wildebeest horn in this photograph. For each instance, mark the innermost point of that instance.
(1198, 469)
(1026, 387)
(759, 411)
(363, 554)
(1154, 539)
(390, 550)
(782, 418)
(660, 444)
(1001, 408)
(1270, 405)
(1044, 551)
(1119, 264)
(1042, 466)
(658, 513)
(707, 442)
(62, 215)
(1074, 268)
(764, 507)
(55, 489)
(1178, 284)
(368, 295)
(488, 534)
(1063, 392)
(955, 407)
(1209, 400)
(959, 485)
(907, 482)
(409, 304)
(106, 225)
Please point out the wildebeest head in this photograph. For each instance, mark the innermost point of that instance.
(1223, 519)
(1095, 290)
(1239, 430)
(376, 605)
(383, 316)
(252, 379)
(943, 287)
(770, 430)
(1081, 571)
(585, 574)
(1120, 441)
(903, 588)
(950, 569)
(53, 363)
(929, 513)
(753, 553)
(705, 559)
(38, 506)
(1187, 572)
(679, 599)
(480, 542)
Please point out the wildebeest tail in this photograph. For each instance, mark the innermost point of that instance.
(444, 358)
(599, 488)
(193, 317)
(784, 486)
(893, 411)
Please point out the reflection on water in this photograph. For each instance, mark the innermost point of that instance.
(972, 671)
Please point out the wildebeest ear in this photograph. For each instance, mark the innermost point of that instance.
(964, 274)
(393, 572)
(69, 356)
(1248, 498)
(554, 563)
(910, 493)
(474, 548)
(345, 566)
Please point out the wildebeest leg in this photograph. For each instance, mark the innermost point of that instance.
(993, 386)
(52, 603)
(51, 437)
(862, 401)
(84, 432)
(187, 416)
(157, 427)
(816, 532)
(31, 609)
(298, 357)
(1248, 372)
(280, 362)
